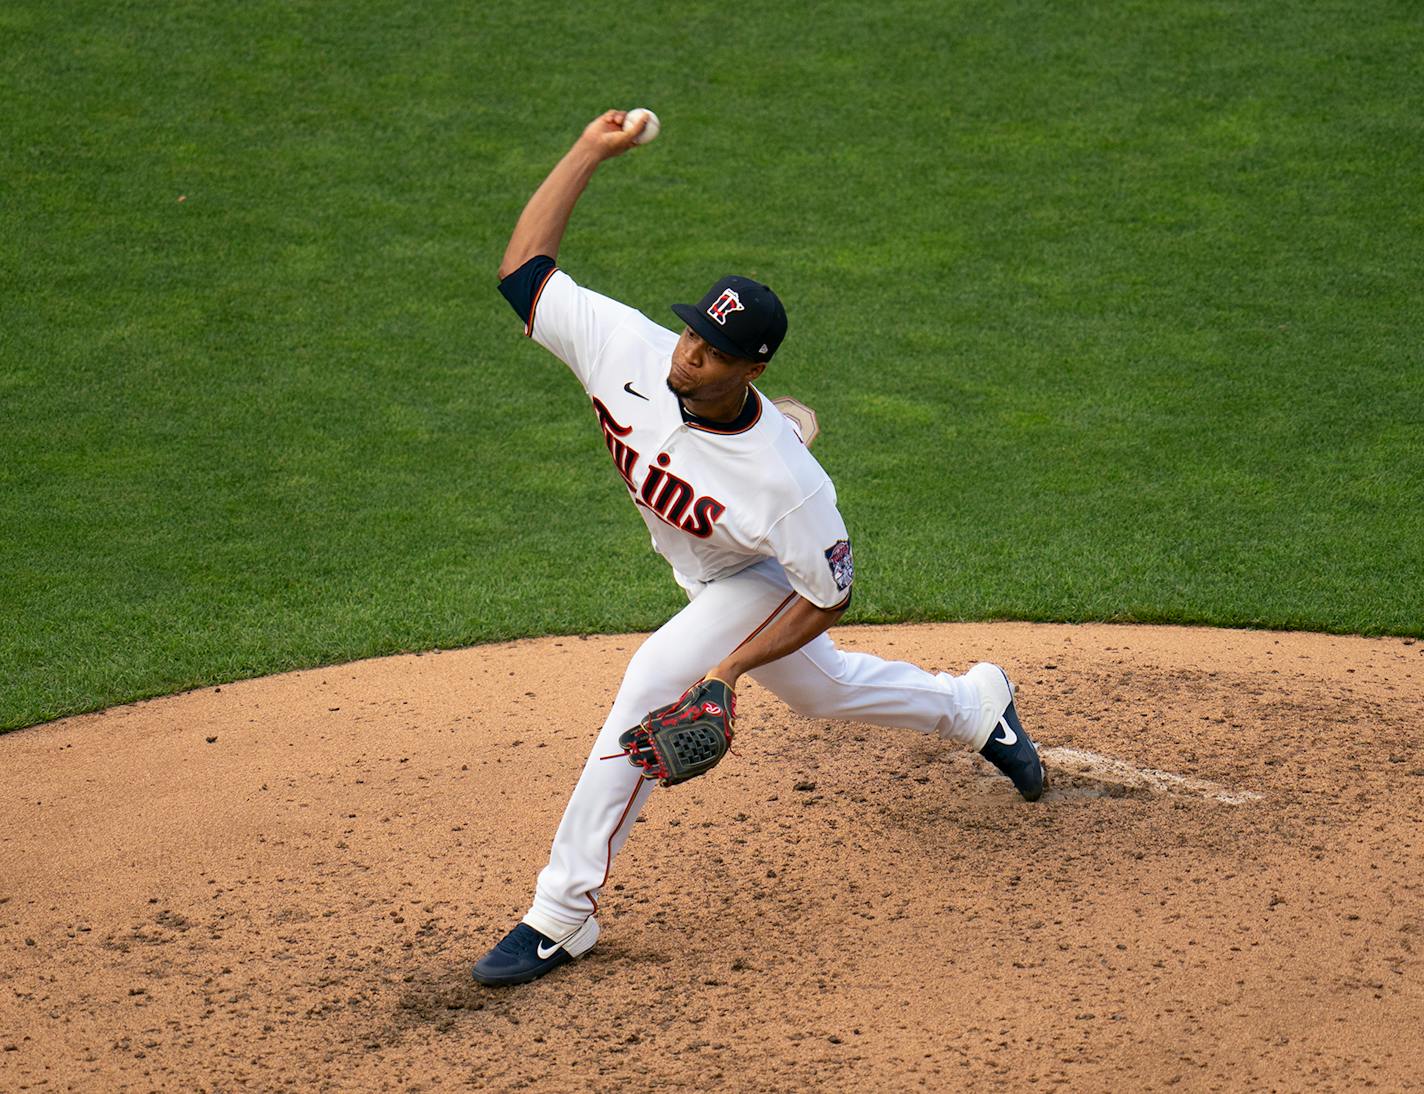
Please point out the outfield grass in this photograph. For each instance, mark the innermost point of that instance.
(1109, 312)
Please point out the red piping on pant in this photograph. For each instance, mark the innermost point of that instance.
(608, 862)
(765, 622)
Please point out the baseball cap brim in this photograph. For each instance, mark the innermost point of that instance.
(710, 333)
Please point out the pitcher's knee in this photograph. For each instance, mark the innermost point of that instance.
(823, 688)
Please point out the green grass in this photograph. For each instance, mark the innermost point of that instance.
(1109, 312)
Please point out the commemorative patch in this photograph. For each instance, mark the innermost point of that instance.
(842, 565)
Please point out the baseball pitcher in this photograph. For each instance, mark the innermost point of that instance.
(748, 521)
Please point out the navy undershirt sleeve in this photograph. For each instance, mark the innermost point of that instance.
(520, 287)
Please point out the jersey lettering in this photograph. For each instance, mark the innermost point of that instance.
(625, 458)
(705, 512)
(672, 498)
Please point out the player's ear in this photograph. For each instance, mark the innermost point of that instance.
(756, 369)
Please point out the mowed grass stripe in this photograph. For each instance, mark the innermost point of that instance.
(1107, 313)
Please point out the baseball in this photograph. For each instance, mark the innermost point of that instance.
(635, 116)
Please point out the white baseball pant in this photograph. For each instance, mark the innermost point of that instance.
(818, 680)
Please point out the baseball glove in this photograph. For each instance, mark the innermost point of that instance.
(686, 738)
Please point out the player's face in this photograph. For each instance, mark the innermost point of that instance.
(703, 373)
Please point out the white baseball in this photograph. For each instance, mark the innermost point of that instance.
(636, 115)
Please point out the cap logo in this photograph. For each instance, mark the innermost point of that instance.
(764, 348)
(724, 305)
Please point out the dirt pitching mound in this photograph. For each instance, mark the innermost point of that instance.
(284, 882)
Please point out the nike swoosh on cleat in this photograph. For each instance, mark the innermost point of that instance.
(1010, 738)
(628, 387)
(545, 955)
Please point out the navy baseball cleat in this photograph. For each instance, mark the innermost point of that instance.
(524, 954)
(1009, 747)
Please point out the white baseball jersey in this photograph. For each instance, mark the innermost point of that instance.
(716, 497)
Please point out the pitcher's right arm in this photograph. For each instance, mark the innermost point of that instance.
(540, 228)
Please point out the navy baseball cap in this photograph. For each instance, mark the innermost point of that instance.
(739, 316)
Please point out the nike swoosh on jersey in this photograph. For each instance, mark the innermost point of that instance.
(628, 387)
(1010, 738)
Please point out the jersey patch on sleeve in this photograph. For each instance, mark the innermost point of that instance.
(841, 564)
